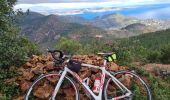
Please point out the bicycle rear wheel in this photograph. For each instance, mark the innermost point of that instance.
(138, 87)
(43, 87)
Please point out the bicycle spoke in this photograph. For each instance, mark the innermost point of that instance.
(44, 89)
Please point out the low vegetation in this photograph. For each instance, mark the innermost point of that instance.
(150, 47)
(160, 87)
(14, 49)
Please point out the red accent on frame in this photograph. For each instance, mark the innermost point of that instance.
(77, 76)
(102, 81)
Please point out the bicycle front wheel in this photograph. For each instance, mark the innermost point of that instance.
(43, 88)
(138, 87)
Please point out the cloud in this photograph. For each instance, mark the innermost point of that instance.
(77, 11)
(68, 8)
(63, 7)
(68, 5)
(80, 5)
(156, 14)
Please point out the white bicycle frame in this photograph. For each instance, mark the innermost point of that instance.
(84, 84)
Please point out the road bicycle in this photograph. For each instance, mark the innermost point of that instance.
(113, 85)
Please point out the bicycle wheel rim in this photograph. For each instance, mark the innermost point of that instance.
(61, 93)
(143, 94)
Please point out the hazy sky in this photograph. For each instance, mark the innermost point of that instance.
(66, 1)
(58, 1)
(85, 3)
(67, 6)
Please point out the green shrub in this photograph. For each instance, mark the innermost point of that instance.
(75, 47)
(143, 46)
(124, 56)
(95, 46)
(165, 54)
(153, 56)
(160, 88)
(4, 98)
(13, 49)
(68, 45)
(11, 89)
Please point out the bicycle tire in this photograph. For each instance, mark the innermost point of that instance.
(133, 75)
(48, 76)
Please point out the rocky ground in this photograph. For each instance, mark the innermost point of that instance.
(37, 65)
(43, 64)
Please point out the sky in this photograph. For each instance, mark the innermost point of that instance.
(58, 1)
(70, 1)
(72, 7)
(79, 4)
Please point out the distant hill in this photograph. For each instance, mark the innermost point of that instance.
(135, 26)
(139, 28)
(119, 21)
(108, 21)
(46, 30)
(27, 18)
(114, 21)
(152, 41)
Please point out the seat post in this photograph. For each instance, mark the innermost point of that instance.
(105, 63)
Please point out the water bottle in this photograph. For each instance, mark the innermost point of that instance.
(96, 87)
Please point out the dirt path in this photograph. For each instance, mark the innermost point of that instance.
(152, 67)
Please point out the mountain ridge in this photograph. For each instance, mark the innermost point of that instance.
(48, 29)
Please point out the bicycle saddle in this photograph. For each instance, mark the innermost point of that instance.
(108, 56)
(105, 54)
